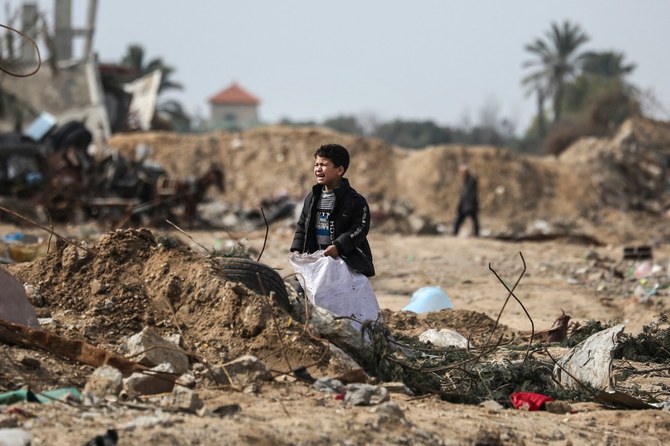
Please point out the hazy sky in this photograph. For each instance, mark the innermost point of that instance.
(441, 60)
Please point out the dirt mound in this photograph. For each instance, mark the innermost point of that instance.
(627, 171)
(130, 280)
(473, 325)
(590, 180)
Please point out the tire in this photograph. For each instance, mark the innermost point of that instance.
(257, 277)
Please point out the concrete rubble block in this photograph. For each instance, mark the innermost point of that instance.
(104, 381)
(242, 371)
(159, 379)
(148, 348)
(590, 362)
(185, 399)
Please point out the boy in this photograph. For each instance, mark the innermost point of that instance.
(334, 217)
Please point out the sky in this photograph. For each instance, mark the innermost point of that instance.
(440, 60)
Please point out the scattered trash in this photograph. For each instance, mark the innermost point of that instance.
(15, 437)
(614, 398)
(637, 252)
(444, 338)
(429, 298)
(109, 438)
(365, 395)
(529, 401)
(63, 394)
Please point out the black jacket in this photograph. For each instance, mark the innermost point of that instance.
(349, 225)
(469, 201)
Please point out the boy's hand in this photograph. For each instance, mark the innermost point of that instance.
(331, 251)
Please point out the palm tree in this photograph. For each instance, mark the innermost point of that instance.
(134, 58)
(556, 60)
(601, 73)
(607, 64)
(536, 85)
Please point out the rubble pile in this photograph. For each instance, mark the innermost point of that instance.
(628, 171)
(130, 281)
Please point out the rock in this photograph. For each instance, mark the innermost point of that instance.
(30, 362)
(491, 405)
(242, 371)
(97, 287)
(559, 407)
(390, 413)
(104, 381)
(398, 387)
(186, 380)
(150, 349)
(185, 399)
(159, 380)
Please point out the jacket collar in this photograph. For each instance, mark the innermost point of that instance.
(344, 185)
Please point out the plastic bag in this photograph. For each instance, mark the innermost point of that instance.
(329, 283)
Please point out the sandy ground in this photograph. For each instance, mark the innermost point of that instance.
(463, 266)
(587, 282)
(291, 412)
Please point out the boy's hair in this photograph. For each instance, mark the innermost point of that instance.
(334, 152)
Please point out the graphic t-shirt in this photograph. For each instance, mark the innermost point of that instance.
(323, 210)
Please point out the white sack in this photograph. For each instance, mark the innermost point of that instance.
(329, 283)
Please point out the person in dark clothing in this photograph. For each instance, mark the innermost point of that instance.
(335, 218)
(468, 202)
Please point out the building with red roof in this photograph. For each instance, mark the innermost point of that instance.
(233, 108)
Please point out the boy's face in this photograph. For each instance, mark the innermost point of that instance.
(326, 173)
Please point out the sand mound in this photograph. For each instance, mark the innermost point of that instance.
(593, 177)
(130, 280)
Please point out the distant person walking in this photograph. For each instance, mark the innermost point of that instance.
(468, 202)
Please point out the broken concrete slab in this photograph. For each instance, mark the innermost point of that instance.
(14, 304)
(590, 362)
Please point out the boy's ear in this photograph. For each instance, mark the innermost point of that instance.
(340, 171)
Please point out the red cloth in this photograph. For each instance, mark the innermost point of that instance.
(529, 400)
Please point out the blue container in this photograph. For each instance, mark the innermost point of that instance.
(427, 299)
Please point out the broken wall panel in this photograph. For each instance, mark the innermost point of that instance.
(72, 91)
